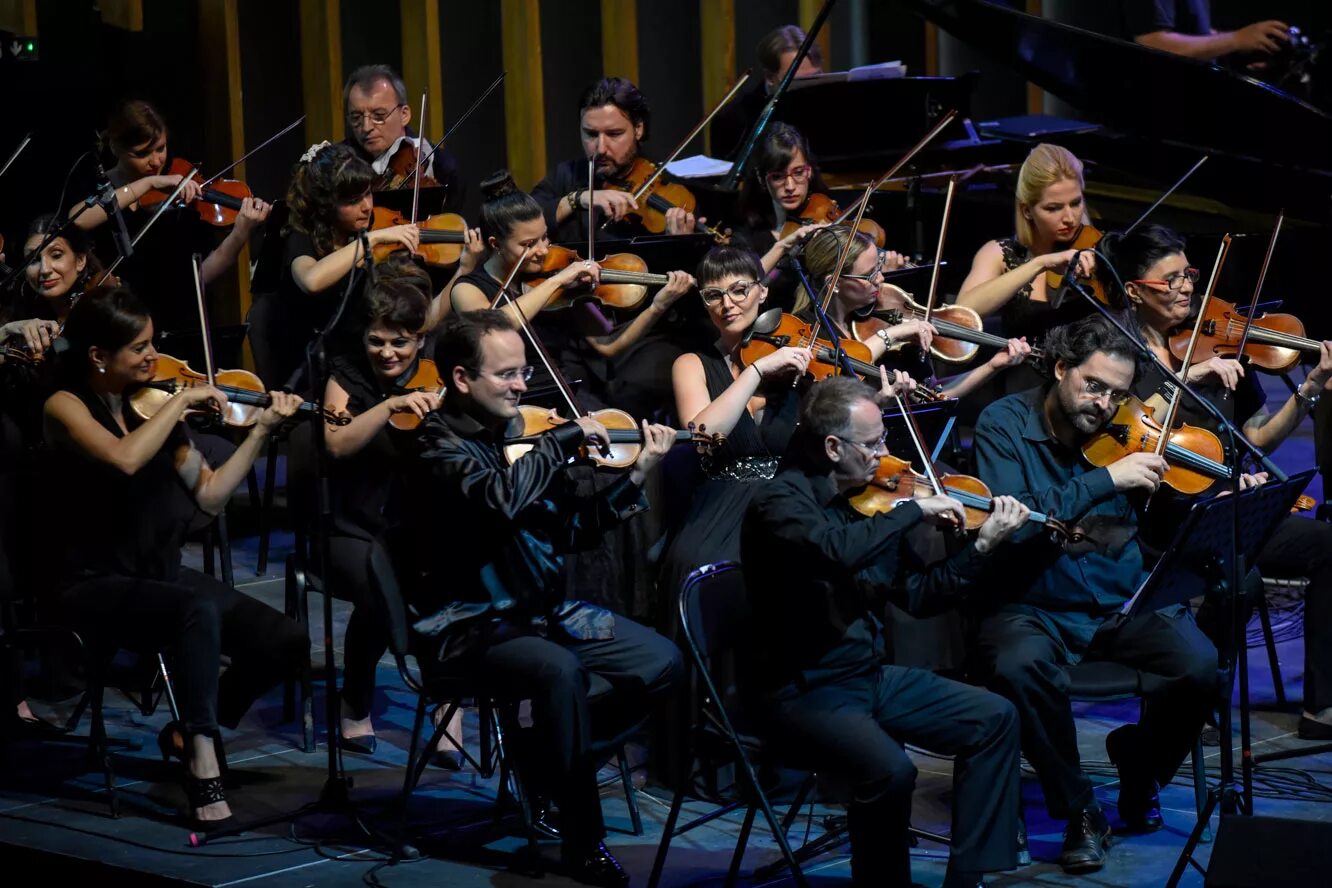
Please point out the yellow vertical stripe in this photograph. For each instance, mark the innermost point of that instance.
(321, 69)
(524, 98)
(717, 40)
(619, 38)
(422, 62)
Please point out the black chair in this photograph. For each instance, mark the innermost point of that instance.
(715, 623)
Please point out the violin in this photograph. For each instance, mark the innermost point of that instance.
(1087, 238)
(644, 181)
(246, 396)
(217, 205)
(961, 332)
(1274, 341)
(1195, 456)
(821, 209)
(626, 436)
(442, 236)
(425, 378)
(398, 173)
(895, 482)
(623, 281)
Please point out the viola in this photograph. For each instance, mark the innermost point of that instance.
(425, 378)
(1195, 456)
(246, 396)
(820, 209)
(623, 282)
(217, 205)
(1274, 343)
(655, 196)
(626, 436)
(442, 236)
(398, 173)
(1087, 238)
(961, 332)
(895, 482)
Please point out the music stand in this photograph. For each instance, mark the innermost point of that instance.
(1194, 563)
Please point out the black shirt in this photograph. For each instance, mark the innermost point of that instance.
(1192, 17)
(571, 175)
(818, 574)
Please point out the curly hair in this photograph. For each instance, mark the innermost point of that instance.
(335, 177)
(1076, 342)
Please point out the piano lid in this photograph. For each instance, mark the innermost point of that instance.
(1146, 92)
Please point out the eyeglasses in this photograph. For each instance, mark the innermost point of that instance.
(873, 447)
(1175, 281)
(800, 175)
(738, 291)
(869, 278)
(1096, 389)
(378, 116)
(508, 376)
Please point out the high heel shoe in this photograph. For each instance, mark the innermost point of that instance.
(362, 745)
(201, 792)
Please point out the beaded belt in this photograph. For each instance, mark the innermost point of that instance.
(745, 468)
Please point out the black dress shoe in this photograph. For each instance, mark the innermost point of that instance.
(1023, 851)
(362, 745)
(1085, 841)
(594, 866)
(543, 819)
(1313, 729)
(1139, 796)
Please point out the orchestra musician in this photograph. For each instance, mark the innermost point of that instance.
(614, 121)
(818, 575)
(119, 578)
(489, 583)
(1159, 290)
(1064, 605)
(774, 54)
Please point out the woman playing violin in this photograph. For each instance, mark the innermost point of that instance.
(119, 575)
(1007, 275)
(52, 284)
(1158, 290)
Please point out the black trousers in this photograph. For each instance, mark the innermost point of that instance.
(196, 619)
(853, 730)
(367, 636)
(1301, 547)
(1022, 661)
(555, 674)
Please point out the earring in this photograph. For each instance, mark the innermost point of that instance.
(101, 369)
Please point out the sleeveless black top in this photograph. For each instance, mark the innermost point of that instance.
(1024, 316)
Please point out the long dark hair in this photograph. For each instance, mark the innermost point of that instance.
(106, 319)
(504, 205)
(775, 152)
(335, 177)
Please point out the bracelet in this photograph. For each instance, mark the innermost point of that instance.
(1308, 401)
(757, 370)
(573, 200)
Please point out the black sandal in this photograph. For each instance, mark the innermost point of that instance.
(202, 792)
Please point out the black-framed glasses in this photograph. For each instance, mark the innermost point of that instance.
(873, 447)
(378, 116)
(1175, 281)
(869, 278)
(738, 291)
(508, 376)
(1096, 389)
(799, 175)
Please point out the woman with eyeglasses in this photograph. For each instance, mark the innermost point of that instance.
(1158, 291)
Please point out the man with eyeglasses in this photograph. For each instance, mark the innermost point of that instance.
(378, 117)
(485, 570)
(818, 575)
(1063, 603)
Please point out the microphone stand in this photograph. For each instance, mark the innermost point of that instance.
(1230, 582)
(840, 353)
(335, 797)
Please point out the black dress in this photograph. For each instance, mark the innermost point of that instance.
(1024, 316)
(727, 477)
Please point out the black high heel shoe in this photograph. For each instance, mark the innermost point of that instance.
(202, 792)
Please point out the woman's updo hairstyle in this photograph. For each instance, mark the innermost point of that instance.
(1130, 255)
(106, 319)
(821, 252)
(504, 205)
(334, 177)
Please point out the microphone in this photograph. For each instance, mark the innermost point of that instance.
(106, 199)
(1068, 283)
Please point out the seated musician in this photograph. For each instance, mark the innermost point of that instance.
(491, 586)
(1184, 27)
(858, 289)
(379, 115)
(1065, 603)
(1007, 276)
(119, 576)
(613, 120)
(774, 54)
(137, 137)
(580, 337)
(1159, 285)
(818, 575)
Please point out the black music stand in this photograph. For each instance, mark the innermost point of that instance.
(1194, 564)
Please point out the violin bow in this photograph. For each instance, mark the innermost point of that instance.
(416, 180)
(1169, 191)
(247, 155)
(537, 345)
(1172, 408)
(915, 149)
(938, 253)
(196, 266)
(1258, 288)
(457, 123)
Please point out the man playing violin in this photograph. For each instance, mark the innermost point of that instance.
(495, 534)
(613, 118)
(378, 117)
(818, 575)
(1064, 604)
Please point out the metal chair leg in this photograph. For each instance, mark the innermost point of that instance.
(1265, 619)
(630, 799)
